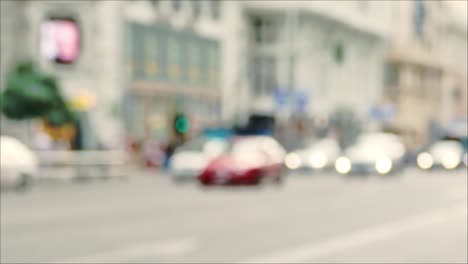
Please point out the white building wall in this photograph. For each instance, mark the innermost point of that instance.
(13, 40)
(98, 69)
(235, 94)
(106, 117)
(358, 81)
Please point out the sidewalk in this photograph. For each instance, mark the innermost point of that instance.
(72, 173)
(90, 164)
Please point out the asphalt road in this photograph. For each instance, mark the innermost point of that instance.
(414, 217)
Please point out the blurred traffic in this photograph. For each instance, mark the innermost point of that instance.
(152, 131)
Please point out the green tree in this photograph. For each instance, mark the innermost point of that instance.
(31, 94)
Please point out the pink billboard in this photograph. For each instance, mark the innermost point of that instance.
(60, 41)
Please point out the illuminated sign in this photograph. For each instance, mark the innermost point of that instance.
(60, 40)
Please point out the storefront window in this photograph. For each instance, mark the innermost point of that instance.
(158, 119)
(136, 117)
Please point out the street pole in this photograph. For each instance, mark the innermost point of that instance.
(291, 26)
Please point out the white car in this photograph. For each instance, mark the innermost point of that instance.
(19, 165)
(191, 159)
(373, 152)
(448, 154)
(316, 156)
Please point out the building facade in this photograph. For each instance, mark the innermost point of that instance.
(301, 60)
(330, 53)
(139, 61)
(173, 64)
(426, 67)
(217, 61)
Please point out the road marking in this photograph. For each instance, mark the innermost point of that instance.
(308, 252)
(166, 249)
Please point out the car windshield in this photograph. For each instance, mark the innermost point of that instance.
(202, 144)
(446, 145)
(241, 146)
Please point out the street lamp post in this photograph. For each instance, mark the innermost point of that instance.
(291, 24)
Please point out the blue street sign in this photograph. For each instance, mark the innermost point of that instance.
(383, 113)
(281, 97)
(375, 113)
(295, 99)
(301, 98)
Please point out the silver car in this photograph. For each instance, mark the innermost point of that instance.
(446, 154)
(380, 153)
(316, 156)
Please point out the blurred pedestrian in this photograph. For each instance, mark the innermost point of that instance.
(77, 141)
(43, 141)
(153, 154)
(170, 149)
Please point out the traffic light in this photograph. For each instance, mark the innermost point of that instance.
(181, 124)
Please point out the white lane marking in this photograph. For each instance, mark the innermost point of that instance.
(308, 252)
(165, 249)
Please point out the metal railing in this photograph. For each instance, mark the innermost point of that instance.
(84, 164)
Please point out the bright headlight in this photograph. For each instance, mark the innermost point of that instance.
(343, 165)
(383, 165)
(450, 161)
(425, 161)
(318, 160)
(292, 161)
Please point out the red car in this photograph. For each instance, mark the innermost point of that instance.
(247, 160)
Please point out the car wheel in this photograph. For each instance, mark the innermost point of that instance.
(279, 182)
(262, 179)
(203, 186)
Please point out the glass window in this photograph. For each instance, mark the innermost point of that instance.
(363, 5)
(214, 146)
(136, 120)
(419, 17)
(264, 77)
(196, 8)
(155, 3)
(176, 4)
(215, 8)
(392, 75)
(263, 29)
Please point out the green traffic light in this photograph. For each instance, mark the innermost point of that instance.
(182, 125)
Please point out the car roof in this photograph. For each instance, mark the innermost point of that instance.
(379, 135)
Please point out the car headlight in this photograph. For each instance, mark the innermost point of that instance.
(383, 165)
(292, 161)
(343, 165)
(425, 161)
(318, 160)
(450, 161)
